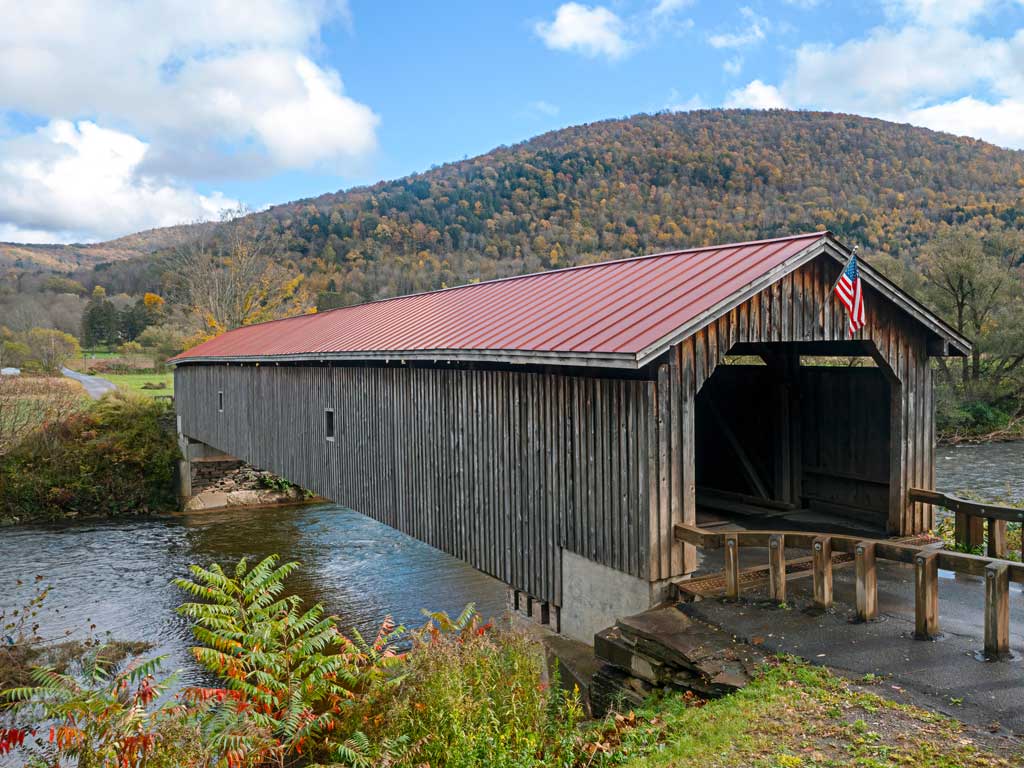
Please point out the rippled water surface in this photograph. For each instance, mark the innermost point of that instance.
(993, 472)
(116, 574)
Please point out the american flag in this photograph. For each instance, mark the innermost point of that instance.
(850, 291)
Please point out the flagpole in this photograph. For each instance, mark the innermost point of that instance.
(852, 254)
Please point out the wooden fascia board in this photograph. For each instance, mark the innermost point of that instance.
(508, 357)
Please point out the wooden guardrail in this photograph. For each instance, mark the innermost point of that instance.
(970, 519)
(927, 562)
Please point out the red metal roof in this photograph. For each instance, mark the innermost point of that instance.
(613, 310)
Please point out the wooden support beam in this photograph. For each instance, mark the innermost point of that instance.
(997, 611)
(777, 568)
(867, 581)
(926, 595)
(821, 566)
(996, 538)
(746, 465)
(969, 531)
(732, 566)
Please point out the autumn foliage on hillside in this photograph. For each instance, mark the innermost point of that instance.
(648, 183)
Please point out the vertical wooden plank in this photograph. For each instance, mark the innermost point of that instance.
(896, 399)
(997, 611)
(996, 538)
(633, 507)
(786, 309)
(821, 567)
(777, 568)
(676, 565)
(867, 581)
(926, 595)
(652, 474)
(622, 476)
(687, 460)
(664, 461)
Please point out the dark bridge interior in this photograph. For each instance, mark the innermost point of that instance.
(794, 439)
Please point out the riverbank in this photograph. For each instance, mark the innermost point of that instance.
(115, 457)
(1012, 432)
(458, 692)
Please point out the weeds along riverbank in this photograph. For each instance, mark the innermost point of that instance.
(116, 456)
(289, 688)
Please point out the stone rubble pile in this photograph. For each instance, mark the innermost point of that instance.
(665, 649)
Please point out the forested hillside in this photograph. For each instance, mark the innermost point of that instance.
(626, 187)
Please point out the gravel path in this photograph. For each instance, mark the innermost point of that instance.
(95, 386)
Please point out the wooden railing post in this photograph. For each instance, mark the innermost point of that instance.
(996, 538)
(867, 581)
(821, 552)
(926, 595)
(997, 611)
(777, 567)
(732, 566)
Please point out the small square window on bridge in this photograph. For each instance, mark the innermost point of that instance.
(220, 402)
(329, 424)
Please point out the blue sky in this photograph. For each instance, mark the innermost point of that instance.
(118, 116)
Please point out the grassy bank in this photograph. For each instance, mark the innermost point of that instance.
(149, 384)
(798, 716)
(116, 456)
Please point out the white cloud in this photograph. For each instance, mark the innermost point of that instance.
(753, 32)
(937, 12)
(733, 66)
(756, 95)
(891, 70)
(188, 79)
(934, 71)
(80, 182)
(1001, 123)
(669, 7)
(545, 108)
(592, 31)
(674, 103)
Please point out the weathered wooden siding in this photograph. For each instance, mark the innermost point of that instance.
(500, 469)
(845, 441)
(800, 308)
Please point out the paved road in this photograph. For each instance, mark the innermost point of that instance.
(95, 386)
(945, 675)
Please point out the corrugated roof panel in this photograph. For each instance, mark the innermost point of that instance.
(615, 308)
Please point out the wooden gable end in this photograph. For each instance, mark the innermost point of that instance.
(800, 309)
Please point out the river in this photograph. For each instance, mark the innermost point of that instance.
(116, 574)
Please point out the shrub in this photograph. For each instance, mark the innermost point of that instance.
(116, 457)
(473, 696)
(102, 717)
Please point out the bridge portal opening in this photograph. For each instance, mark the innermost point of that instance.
(789, 439)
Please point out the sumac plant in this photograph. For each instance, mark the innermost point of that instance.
(100, 717)
(291, 676)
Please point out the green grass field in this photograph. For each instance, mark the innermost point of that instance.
(133, 382)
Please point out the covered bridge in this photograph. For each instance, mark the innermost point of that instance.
(550, 429)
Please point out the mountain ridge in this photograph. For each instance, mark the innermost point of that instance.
(624, 187)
